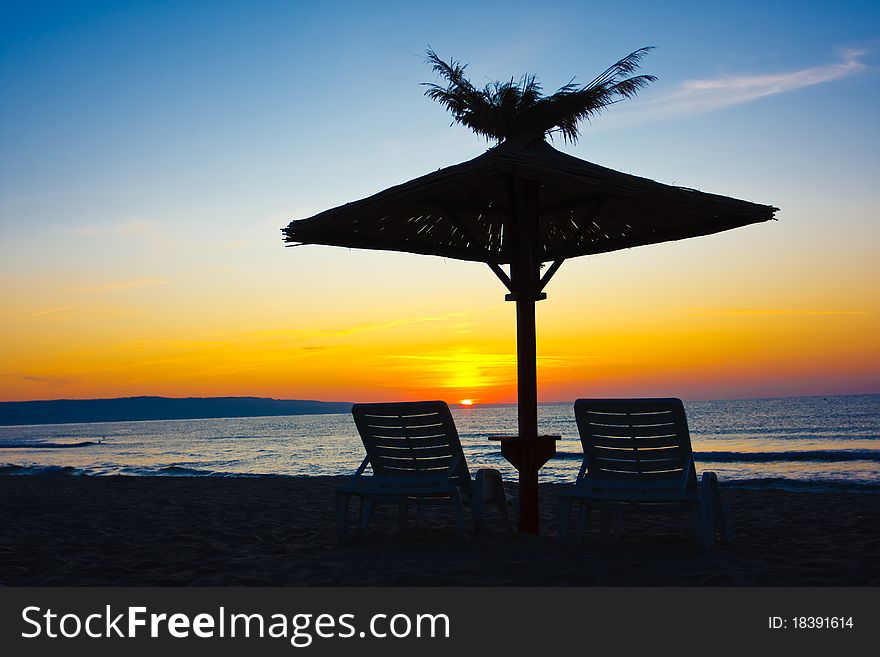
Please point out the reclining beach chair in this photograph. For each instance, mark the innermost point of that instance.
(638, 457)
(416, 458)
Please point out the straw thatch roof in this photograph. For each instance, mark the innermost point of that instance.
(460, 211)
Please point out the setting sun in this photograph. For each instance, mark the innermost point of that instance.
(467, 402)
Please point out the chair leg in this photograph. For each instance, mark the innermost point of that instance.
(489, 487)
(564, 518)
(711, 493)
(720, 520)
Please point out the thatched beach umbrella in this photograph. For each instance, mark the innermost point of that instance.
(521, 204)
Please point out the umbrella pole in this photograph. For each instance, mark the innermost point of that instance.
(526, 369)
(527, 414)
(527, 451)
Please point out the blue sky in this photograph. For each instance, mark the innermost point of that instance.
(162, 145)
(174, 99)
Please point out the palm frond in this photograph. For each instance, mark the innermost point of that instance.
(625, 66)
(468, 105)
(503, 110)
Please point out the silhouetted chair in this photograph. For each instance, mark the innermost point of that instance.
(638, 457)
(416, 458)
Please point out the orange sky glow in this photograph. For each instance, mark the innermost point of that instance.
(148, 168)
(444, 331)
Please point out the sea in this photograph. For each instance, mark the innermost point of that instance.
(796, 443)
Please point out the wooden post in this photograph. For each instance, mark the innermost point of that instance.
(526, 451)
(524, 279)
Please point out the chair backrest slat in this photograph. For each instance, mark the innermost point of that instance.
(412, 439)
(641, 441)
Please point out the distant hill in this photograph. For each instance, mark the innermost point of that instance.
(66, 411)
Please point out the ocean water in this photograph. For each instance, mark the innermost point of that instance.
(811, 443)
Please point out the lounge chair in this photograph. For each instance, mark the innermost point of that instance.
(416, 458)
(638, 457)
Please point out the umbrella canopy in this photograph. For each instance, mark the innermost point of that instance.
(581, 208)
(523, 203)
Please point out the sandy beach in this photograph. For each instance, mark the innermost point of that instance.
(139, 531)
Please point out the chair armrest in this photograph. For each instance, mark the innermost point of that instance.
(489, 472)
(708, 484)
(361, 468)
(489, 484)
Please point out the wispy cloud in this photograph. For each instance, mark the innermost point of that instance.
(486, 360)
(35, 378)
(122, 285)
(40, 313)
(710, 94)
(457, 359)
(359, 328)
(744, 312)
(378, 326)
(72, 314)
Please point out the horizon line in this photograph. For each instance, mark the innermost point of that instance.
(455, 403)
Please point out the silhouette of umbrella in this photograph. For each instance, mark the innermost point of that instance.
(521, 204)
(524, 205)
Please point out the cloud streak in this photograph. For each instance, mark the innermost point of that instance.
(123, 285)
(40, 313)
(357, 328)
(752, 312)
(711, 94)
(34, 378)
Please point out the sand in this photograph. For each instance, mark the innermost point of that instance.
(139, 531)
